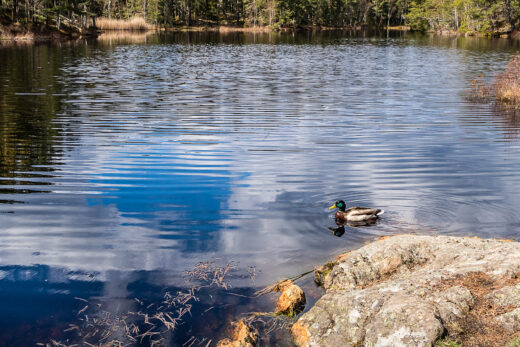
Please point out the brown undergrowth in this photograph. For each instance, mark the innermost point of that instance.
(478, 328)
(20, 33)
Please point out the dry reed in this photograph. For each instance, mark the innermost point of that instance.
(479, 91)
(136, 23)
(505, 88)
(148, 324)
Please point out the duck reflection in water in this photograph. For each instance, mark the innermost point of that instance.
(340, 229)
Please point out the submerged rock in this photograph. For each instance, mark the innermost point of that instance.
(292, 301)
(243, 336)
(410, 290)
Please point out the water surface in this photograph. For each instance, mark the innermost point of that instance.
(125, 162)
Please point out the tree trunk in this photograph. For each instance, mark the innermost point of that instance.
(237, 12)
(164, 14)
(365, 14)
(388, 14)
(15, 10)
(271, 13)
(84, 16)
(94, 21)
(188, 21)
(509, 14)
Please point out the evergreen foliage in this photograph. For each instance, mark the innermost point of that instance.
(484, 16)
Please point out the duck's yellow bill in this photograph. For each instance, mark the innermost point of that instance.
(332, 207)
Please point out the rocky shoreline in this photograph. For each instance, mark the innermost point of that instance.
(410, 290)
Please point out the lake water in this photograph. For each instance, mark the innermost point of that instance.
(127, 161)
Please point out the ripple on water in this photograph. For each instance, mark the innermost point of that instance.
(125, 164)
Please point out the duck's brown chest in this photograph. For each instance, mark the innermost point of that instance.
(341, 215)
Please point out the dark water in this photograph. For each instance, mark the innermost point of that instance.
(127, 161)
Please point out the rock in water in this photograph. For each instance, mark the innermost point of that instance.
(292, 300)
(243, 336)
(409, 290)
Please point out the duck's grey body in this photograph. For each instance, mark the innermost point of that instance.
(359, 214)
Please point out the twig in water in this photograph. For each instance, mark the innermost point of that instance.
(82, 310)
(273, 287)
(188, 341)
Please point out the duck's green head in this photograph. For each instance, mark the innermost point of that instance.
(340, 204)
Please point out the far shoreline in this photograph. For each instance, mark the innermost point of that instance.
(49, 34)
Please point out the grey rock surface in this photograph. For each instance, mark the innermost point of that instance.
(506, 296)
(510, 320)
(403, 291)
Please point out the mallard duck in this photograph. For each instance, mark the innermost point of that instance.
(355, 214)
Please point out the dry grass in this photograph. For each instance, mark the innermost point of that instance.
(505, 88)
(508, 83)
(478, 328)
(480, 91)
(136, 23)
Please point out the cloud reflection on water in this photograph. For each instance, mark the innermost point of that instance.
(187, 152)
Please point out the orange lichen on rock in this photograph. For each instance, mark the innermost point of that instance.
(243, 336)
(342, 257)
(300, 334)
(292, 300)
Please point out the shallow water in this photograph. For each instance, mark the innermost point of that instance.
(126, 161)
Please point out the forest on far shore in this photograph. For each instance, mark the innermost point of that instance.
(476, 16)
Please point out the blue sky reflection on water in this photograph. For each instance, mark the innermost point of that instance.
(176, 202)
(142, 160)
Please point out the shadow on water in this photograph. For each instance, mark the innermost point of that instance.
(27, 135)
(340, 229)
(327, 37)
(128, 160)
